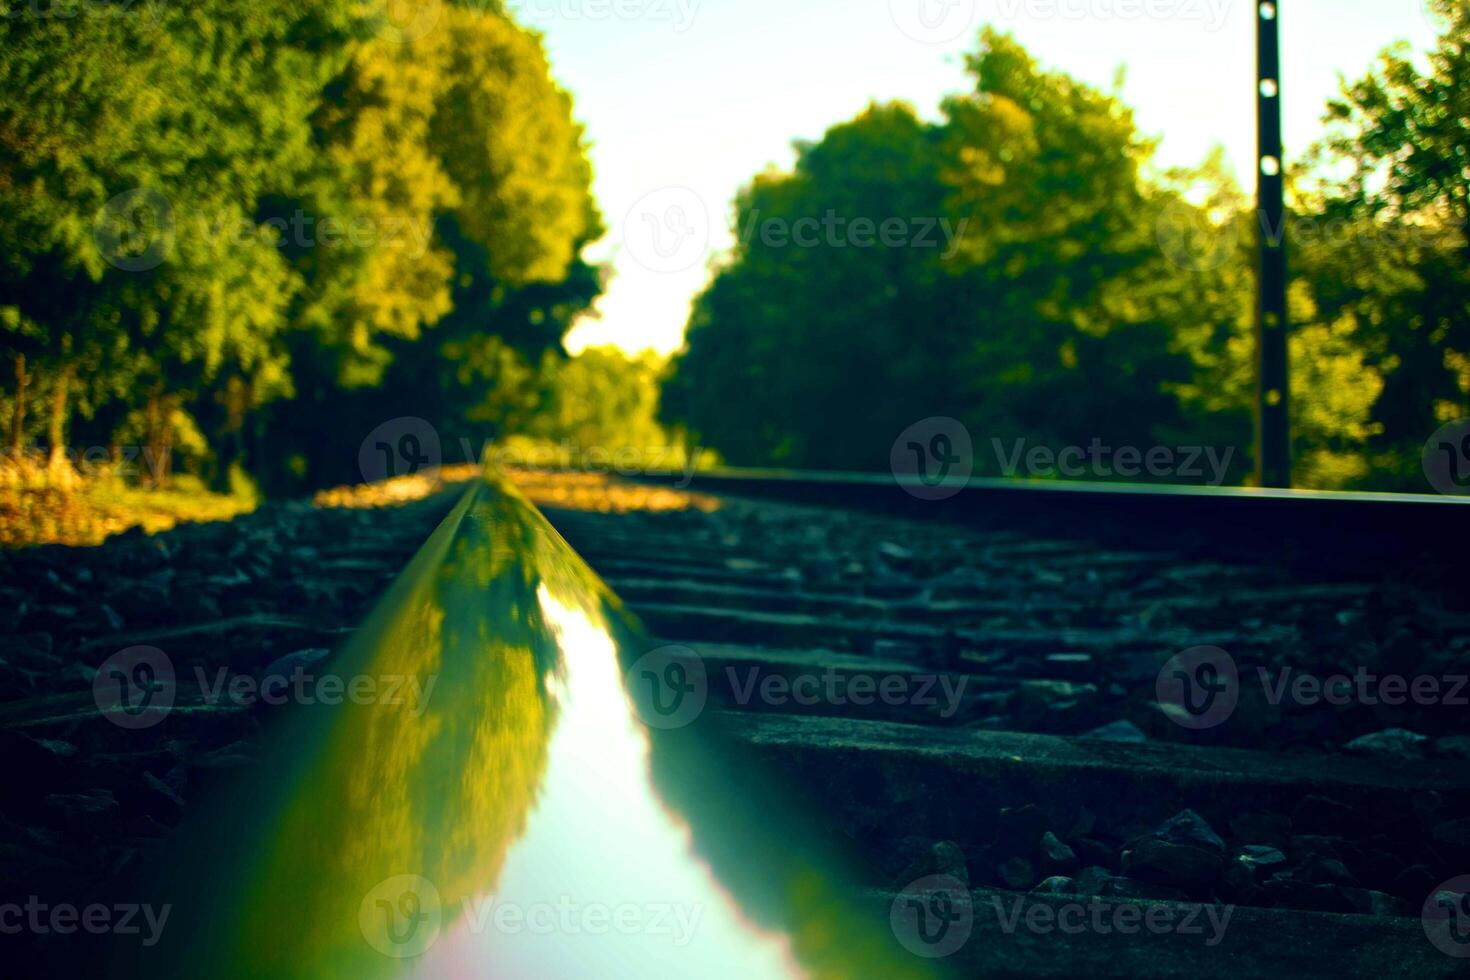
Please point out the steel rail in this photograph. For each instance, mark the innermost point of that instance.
(534, 817)
(1316, 526)
(503, 827)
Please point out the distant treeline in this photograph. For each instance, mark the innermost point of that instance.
(243, 234)
(1023, 267)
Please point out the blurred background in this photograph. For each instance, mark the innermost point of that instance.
(258, 252)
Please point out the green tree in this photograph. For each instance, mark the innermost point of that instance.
(1034, 315)
(137, 143)
(1395, 206)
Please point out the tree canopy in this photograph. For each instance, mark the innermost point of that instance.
(1078, 292)
(232, 219)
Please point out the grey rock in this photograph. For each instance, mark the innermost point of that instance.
(1118, 731)
(111, 618)
(1290, 893)
(1043, 693)
(87, 813)
(227, 757)
(1017, 829)
(896, 555)
(1260, 856)
(1083, 824)
(284, 669)
(1055, 885)
(1427, 805)
(1391, 743)
(1072, 666)
(1415, 880)
(144, 826)
(1188, 827)
(1368, 902)
(32, 763)
(31, 645)
(1455, 833)
(141, 602)
(1056, 857)
(52, 617)
(1133, 888)
(1305, 846)
(939, 858)
(1092, 881)
(59, 748)
(1453, 747)
(1017, 873)
(1238, 880)
(163, 789)
(1166, 863)
(1328, 871)
(1320, 815)
(1094, 853)
(1273, 829)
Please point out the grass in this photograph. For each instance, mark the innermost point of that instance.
(43, 505)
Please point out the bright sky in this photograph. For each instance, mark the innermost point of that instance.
(685, 100)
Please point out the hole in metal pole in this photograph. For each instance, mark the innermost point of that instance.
(1268, 11)
(1269, 88)
(1270, 166)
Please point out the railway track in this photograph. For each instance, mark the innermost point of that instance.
(996, 699)
(1020, 733)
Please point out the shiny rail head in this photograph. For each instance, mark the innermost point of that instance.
(527, 813)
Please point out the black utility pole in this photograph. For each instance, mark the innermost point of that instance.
(1273, 387)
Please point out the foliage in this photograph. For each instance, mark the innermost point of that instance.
(219, 220)
(1089, 296)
